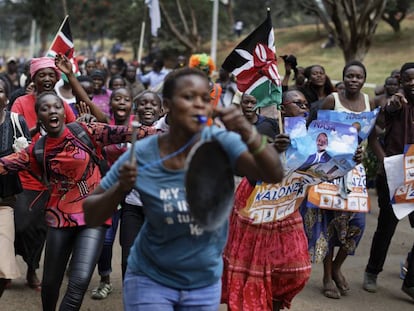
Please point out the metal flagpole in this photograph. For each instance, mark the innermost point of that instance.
(141, 42)
(213, 52)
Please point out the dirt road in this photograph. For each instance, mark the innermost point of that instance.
(388, 297)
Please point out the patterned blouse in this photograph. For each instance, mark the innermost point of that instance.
(72, 173)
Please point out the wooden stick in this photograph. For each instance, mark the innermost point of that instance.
(135, 126)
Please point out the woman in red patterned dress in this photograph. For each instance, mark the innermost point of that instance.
(266, 263)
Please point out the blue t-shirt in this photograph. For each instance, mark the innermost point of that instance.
(170, 248)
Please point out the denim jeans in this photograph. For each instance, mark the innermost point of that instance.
(143, 294)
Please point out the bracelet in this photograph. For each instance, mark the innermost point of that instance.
(262, 146)
(253, 135)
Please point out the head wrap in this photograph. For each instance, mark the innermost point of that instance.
(37, 64)
(203, 62)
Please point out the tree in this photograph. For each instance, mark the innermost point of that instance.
(93, 19)
(127, 23)
(183, 22)
(44, 12)
(395, 11)
(284, 12)
(352, 23)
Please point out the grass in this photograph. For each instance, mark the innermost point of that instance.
(388, 50)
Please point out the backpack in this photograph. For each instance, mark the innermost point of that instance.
(82, 137)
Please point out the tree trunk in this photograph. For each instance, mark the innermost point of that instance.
(191, 41)
(229, 10)
(355, 51)
(135, 51)
(393, 22)
(354, 25)
(43, 41)
(102, 39)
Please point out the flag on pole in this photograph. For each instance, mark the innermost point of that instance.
(253, 62)
(63, 44)
(155, 15)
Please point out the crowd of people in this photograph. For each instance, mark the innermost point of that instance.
(89, 167)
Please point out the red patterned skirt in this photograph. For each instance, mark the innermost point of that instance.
(264, 262)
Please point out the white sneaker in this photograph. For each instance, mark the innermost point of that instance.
(102, 291)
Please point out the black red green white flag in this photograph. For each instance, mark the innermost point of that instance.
(254, 64)
(63, 44)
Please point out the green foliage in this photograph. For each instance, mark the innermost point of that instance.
(91, 19)
(395, 11)
(15, 15)
(284, 12)
(121, 20)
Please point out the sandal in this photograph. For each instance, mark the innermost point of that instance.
(102, 291)
(330, 291)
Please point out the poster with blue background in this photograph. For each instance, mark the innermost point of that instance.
(325, 150)
(364, 122)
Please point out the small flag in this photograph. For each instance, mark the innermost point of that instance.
(63, 44)
(154, 13)
(254, 64)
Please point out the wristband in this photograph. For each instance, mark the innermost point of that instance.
(262, 146)
(252, 136)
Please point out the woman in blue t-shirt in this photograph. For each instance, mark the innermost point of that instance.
(174, 264)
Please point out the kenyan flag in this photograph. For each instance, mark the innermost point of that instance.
(254, 64)
(63, 44)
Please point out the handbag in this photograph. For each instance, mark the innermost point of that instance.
(19, 143)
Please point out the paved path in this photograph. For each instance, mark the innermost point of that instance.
(388, 297)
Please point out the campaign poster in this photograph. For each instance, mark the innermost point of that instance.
(364, 122)
(400, 177)
(298, 150)
(343, 194)
(274, 202)
(325, 150)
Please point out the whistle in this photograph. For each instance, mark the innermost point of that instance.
(201, 119)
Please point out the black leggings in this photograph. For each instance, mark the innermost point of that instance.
(85, 245)
(132, 218)
(387, 223)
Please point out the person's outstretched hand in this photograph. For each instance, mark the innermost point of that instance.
(396, 102)
(83, 108)
(64, 64)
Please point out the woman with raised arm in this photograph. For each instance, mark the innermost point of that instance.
(70, 170)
